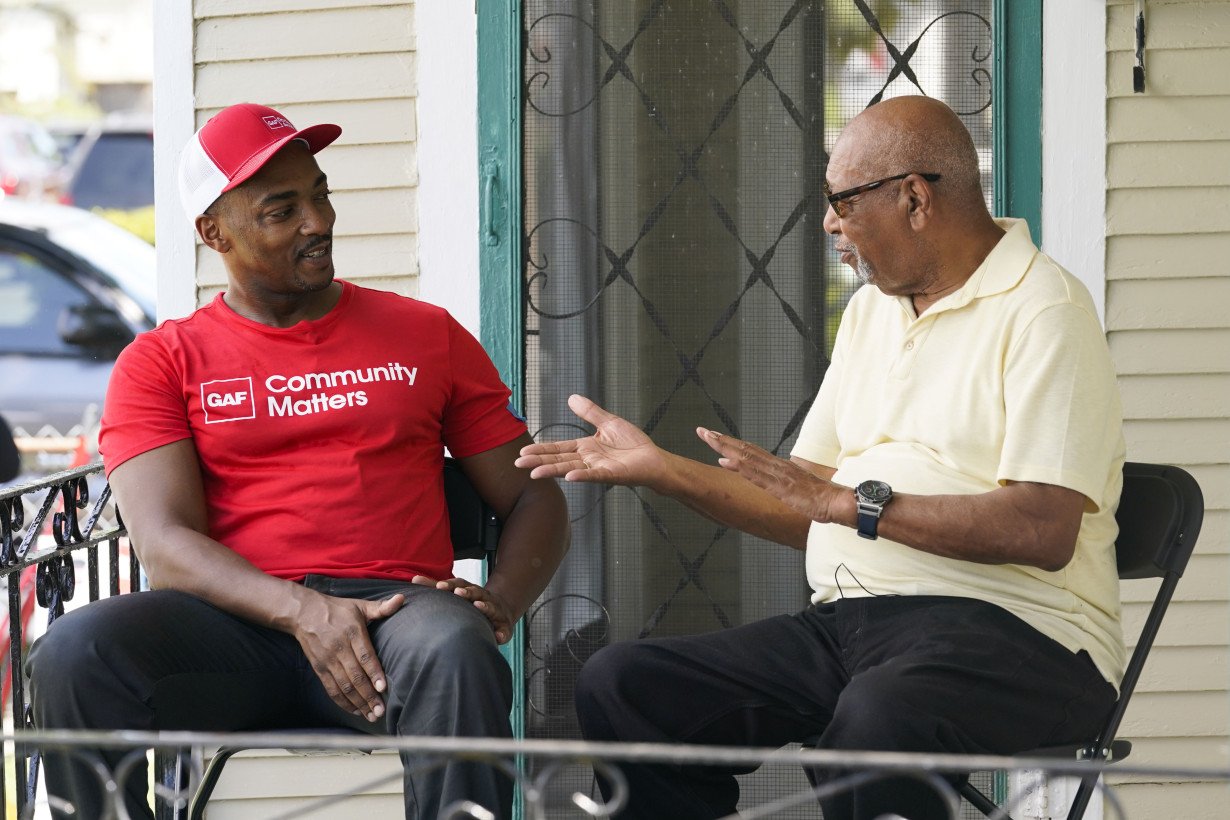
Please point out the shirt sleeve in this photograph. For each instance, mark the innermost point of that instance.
(1062, 408)
(479, 414)
(145, 407)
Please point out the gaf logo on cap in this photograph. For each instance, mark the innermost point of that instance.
(278, 122)
(228, 400)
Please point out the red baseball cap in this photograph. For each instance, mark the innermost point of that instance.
(234, 145)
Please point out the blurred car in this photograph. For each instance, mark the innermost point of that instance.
(30, 162)
(74, 290)
(112, 166)
(67, 134)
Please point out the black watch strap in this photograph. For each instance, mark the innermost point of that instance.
(868, 520)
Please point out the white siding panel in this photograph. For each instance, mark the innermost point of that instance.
(1214, 480)
(1207, 579)
(1174, 396)
(1168, 211)
(265, 783)
(376, 257)
(310, 79)
(206, 293)
(1167, 257)
(1197, 72)
(1172, 753)
(306, 34)
(1215, 537)
(1171, 351)
(1188, 25)
(1198, 801)
(1184, 714)
(1146, 118)
(1186, 669)
(1169, 164)
(1187, 623)
(1177, 303)
(376, 211)
(227, 8)
(1178, 441)
(210, 270)
(351, 167)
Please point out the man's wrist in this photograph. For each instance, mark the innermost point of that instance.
(843, 506)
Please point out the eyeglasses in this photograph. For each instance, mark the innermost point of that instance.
(836, 199)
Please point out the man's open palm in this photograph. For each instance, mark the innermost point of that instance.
(617, 453)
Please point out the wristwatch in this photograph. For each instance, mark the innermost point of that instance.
(871, 496)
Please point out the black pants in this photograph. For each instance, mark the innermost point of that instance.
(907, 674)
(164, 660)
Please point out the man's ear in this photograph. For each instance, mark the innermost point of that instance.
(919, 201)
(209, 228)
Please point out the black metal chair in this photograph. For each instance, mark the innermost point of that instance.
(1160, 513)
(475, 531)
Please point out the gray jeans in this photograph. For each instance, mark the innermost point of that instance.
(164, 660)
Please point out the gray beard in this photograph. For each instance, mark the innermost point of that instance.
(862, 271)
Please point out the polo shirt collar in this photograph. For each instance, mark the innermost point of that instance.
(1003, 268)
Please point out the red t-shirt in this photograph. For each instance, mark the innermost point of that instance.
(321, 445)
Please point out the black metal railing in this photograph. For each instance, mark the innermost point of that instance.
(47, 526)
(538, 790)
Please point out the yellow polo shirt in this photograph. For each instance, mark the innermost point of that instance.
(1007, 379)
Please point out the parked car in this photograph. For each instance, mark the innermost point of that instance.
(74, 290)
(30, 162)
(112, 166)
(67, 134)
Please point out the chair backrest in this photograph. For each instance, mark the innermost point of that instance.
(1160, 513)
(474, 526)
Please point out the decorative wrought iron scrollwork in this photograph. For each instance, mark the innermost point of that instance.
(901, 58)
(12, 518)
(55, 584)
(64, 528)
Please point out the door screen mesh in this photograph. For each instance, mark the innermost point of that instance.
(677, 273)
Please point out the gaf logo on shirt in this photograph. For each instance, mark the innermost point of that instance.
(228, 400)
(277, 122)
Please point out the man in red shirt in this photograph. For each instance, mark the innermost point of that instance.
(277, 456)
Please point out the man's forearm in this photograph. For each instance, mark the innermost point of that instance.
(1030, 524)
(533, 542)
(726, 498)
(188, 561)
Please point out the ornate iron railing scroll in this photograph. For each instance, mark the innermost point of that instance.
(46, 525)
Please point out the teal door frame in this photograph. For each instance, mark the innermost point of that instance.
(1017, 172)
(1016, 112)
(501, 323)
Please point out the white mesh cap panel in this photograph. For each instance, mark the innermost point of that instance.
(200, 181)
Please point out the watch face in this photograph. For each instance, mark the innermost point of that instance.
(876, 492)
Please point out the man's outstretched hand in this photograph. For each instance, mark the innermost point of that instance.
(797, 488)
(617, 453)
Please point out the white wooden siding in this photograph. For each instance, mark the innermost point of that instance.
(1168, 319)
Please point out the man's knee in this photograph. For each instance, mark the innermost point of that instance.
(879, 710)
(450, 637)
(71, 658)
(607, 686)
